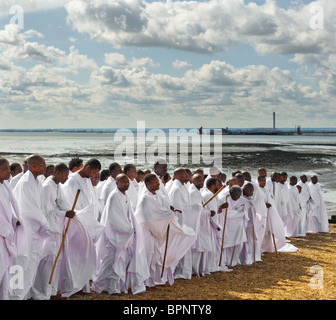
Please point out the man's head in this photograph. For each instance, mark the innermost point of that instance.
(283, 177)
(4, 169)
(160, 167)
(198, 181)
(104, 175)
(262, 172)
(212, 185)
(36, 165)
(140, 176)
(314, 179)
(61, 173)
(95, 179)
(240, 178)
(15, 168)
(115, 169)
(90, 168)
(152, 183)
(262, 181)
(233, 181)
(247, 176)
(293, 180)
(130, 171)
(235, 192)
(181, 175)
(303, 178)
(49, 170)
(122, 182)
(275, 176)
(75, 164)
(248, 190)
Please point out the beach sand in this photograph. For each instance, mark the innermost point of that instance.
(286, 277)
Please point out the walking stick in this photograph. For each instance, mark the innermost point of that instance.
(165, 254)
(232, 255)
(276, 251)
(221, 188)
(63, 240)
(221, 253)
(253, 243)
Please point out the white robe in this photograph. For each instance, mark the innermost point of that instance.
(295, 212)
(108, 187)
(116, 247)
(42, 244)
(203, 243)
(152, 217)
(318, 217)
(305, 206)
(56, 219)
(284, 203)
(274, 227)
(12, 238)
(84, 231)
(132, 193)
(215, 234)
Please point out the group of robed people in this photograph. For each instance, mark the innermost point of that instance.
(77, 229)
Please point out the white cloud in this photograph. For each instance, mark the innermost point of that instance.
(178, 64)
(206, 26)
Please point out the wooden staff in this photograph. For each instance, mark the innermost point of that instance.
(63, 240)
(276, 251)
(232, 255)
(221, 188)
(253, 243)
(165, 254)
(221, 253)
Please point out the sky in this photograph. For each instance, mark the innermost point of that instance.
(172, 64)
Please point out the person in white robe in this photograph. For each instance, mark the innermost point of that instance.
(318, 217)
(305, 205)
(116, 246)
(203, 243)
(272, 186)
(41, 245)
(75, 164)
(10, 230)
(235, 228)
(275, 230)
(284, 199)
(251, 251)
(74, 273)
(55, 216)
(292, 229)
(215, 210)
(260, 221)
(133, 190)
(110, 183)
(180, 199)
(159, 237)
(14, 180)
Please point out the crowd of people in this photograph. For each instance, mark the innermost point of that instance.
(74, 227)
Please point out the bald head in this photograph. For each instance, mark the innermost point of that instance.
(198, 180)
(122, 182)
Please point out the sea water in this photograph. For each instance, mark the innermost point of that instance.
(308, 154)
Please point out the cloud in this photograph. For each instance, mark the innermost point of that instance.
(178, 64)
(206, 26)
(31, 5)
